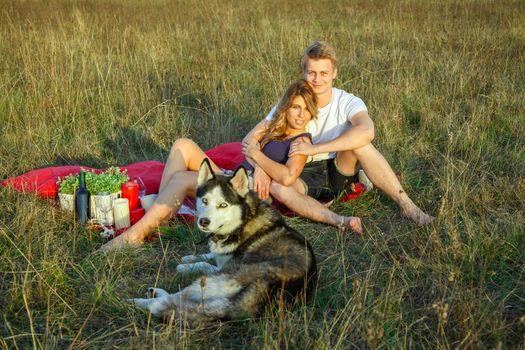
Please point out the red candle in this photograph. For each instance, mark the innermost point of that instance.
(130, 190)
(135, 215)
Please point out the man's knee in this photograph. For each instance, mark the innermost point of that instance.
(364, 151)
(346, 162)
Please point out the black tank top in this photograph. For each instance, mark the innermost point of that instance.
(278, 150)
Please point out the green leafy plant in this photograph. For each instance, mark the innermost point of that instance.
(68, 184)
(109, 180)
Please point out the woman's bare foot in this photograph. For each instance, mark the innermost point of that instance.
(352, 223)
(328, 204)
(121, 241)
(417, 215)
(136, 234)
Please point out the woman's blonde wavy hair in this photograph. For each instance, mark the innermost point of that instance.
(276, 127)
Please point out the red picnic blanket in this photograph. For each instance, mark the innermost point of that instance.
(43, 181)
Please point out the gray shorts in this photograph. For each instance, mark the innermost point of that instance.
(322, 179)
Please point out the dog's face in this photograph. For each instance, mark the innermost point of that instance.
(219, 200)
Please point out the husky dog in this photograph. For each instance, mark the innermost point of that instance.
(258, 256)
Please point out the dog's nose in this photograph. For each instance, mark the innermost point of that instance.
(204, 222)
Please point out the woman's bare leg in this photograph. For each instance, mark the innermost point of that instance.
(184, 155)
(179, 180)
(182, 184)
(295, 199)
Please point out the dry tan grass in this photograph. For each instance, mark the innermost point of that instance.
(102, 83)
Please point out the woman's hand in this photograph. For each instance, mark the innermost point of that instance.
(299, 147)
(261, 183)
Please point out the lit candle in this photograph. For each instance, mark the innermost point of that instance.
(121, 213)
(148, 201)
(130, 190)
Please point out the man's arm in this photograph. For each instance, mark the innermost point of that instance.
(361, 133)
(255, 135)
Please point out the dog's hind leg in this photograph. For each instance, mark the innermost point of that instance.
(143, 303)
(156, 293)
(208, 298)
(189, 305)
(162, 307)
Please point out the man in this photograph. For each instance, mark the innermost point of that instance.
(342, 137)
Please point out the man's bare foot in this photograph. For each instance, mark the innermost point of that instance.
(351, 223)
(121, 241)
(417, 215)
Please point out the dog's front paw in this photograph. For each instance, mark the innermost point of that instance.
(201, 266)
(184, 268)
(188, 259)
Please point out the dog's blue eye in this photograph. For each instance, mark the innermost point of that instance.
(223, 205)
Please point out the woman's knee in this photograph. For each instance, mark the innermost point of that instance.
(182, 144)
(278, 191)
(184, 180)
(281, 191)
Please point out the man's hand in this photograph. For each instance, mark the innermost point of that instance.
(255, 134)
(249, 140)
(250, 149)
(261, 183)
(302, 148)
(246, 141)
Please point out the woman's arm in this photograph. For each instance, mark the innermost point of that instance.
(261, 180)
(285, 174)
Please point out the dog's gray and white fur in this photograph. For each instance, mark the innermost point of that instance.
(258, 256)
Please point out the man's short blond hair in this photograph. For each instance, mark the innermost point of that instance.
(319, 50)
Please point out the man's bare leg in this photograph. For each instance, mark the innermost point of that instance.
(382, 176)
(182, 184)
(309, 208)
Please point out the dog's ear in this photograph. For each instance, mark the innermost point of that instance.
(205, 172)
(240, 181)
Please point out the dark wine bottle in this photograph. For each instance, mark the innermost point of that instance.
(82, 199)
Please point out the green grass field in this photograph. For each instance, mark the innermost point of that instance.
(107, 82)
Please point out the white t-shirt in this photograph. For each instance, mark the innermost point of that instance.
(332, 120)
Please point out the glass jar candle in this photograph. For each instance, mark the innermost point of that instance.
(130, 190)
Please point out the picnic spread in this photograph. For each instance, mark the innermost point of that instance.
(228, 156)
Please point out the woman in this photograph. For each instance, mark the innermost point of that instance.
(179, 179)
